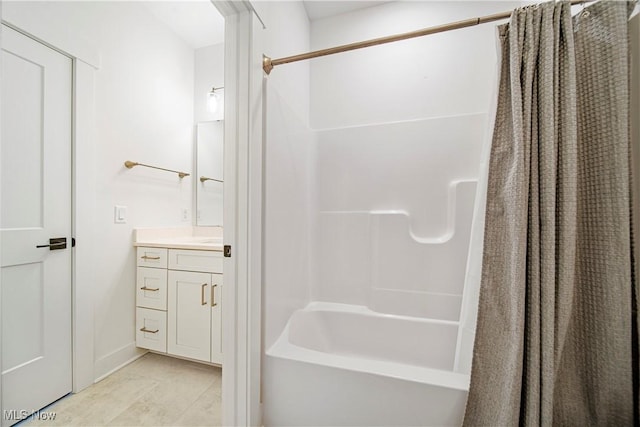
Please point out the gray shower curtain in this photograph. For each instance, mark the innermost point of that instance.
(556, 332)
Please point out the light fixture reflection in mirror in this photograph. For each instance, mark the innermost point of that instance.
(213, 99)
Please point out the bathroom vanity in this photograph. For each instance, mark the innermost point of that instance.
(178, 292)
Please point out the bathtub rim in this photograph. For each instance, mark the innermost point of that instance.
(282, 348)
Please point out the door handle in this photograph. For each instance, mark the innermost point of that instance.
(213, 296)
(55, 244)
(203, 301)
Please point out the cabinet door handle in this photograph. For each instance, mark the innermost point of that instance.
(202, 300)
(149, 257)
(213, 296)
(144, 288)
(144, 329)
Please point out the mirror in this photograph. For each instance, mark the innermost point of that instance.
(209, 169)
(209, 124)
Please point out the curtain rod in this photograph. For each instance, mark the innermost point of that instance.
(268, 63)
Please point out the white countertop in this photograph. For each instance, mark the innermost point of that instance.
(196, 238)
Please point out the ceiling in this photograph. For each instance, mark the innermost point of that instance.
(197, 22)
(200, 24)
(318, 9)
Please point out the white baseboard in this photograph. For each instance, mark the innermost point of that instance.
(115, 360)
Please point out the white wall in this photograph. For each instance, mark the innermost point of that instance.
(438, 75)
(144, 112)
(289, 149)
(289, 200)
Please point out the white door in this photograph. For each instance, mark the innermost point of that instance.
(35, 207)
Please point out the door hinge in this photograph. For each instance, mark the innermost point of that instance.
(227, 251)
(73, 242)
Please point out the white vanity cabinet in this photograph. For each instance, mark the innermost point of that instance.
(178, 302)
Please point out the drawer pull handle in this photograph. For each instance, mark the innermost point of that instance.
(149, 257)
(144, 329)
(144, 288)
(202, 300)
(213, 296)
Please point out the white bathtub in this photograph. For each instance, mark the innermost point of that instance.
(345, 365)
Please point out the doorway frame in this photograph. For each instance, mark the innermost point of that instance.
(242, 334)
(84, 64)
(243, 216)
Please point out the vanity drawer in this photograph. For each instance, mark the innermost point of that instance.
(151, 288)
(192, 260)
(152, 257)
(151, 329)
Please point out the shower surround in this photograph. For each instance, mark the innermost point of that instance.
(345, 365)
(373, 184)
(394, 214)
(380, 340)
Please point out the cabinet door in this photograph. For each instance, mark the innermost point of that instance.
(216, 318)
(189, 315)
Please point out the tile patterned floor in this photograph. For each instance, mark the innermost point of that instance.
(154, 390)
